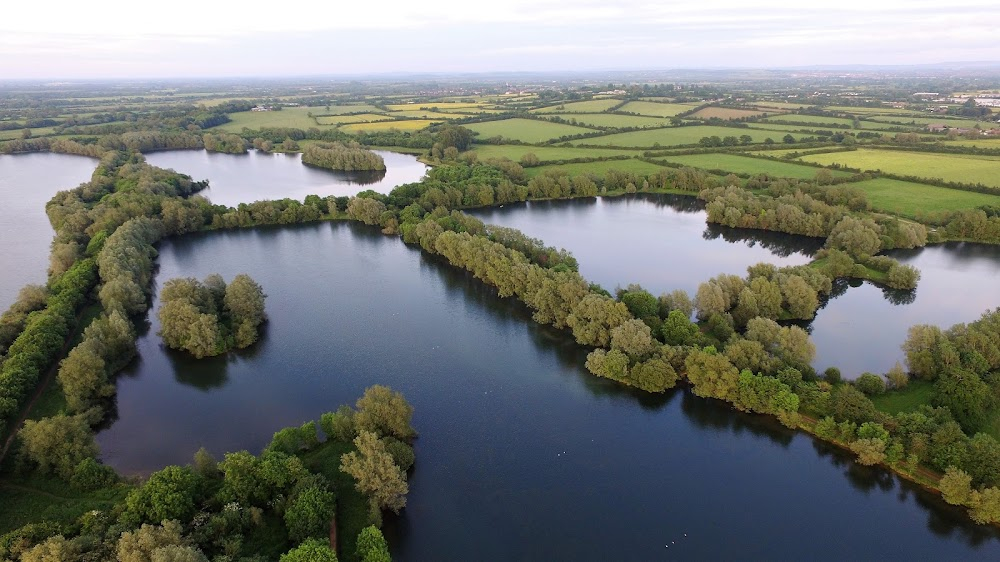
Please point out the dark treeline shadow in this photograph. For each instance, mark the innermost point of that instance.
(680, 203)
(713, 414)
(778, 243)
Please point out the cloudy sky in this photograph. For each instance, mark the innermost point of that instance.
(187, 38)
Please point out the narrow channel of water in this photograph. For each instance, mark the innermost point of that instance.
(27, 182)
(521, 452)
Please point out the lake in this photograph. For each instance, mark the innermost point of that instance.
(27, 182)
(663, 243)
(256, 176)
(522, 454)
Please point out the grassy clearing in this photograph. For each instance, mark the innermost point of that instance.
(614, 120)
(36, 132)
(949, 167)
(546, 153)
(37, 498)
(747, 165)
(993, 143)
(345, 119)
(671, 136)
(655, 109)
(589, 106)
(780, 105)
(297, 117)
(725, 113)
(906, 400)
(908, 199)
(812, 119)
(436, 106)
(525, 130)
(407, 125)
(933, 120)
(342, 109)
(352, 507)
(600, 168)
(781, 129)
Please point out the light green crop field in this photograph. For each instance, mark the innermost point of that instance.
(463, 111)
(589, 106)
(930, 120)
(524, 130)
(779, 128)
(908, 199)
(747, 165)
(344, 119)
(547, 153)
(779, 105)
(297, 117)
(725, 113)
(600, 168)
(778, 153)
(614, 120)
(813, 119)
(949, 167)
(439, 105)
(874, 110)
(425, 114)
(403, 125)
(655, 109)
(673, 136)
(16, 133)
(989, 142)
(342, 109)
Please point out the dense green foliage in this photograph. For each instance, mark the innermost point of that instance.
(351, 157)
(208, 318)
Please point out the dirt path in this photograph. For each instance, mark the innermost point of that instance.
(39, 390)
(333, 533)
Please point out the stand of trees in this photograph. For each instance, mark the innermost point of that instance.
(210, 318)
(221, 510)
(349, 157)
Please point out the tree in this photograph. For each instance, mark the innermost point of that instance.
(641, 303)
(178, 553)
(858, 237)
(676, 300)
(84, 378)
(384, 412)
(848, 403)
(985, 506)
(594, 317)
(53, 549)
(366, 210)
(311, 550)
(529, 160)
(168, 494)
(371, 545)
(309, 513)
(634, 338)
(711, 374)
(966, 395)
(870, 384)
(140, 544)
(870, 451)
(897, 377)
(58, 444)
(678, 329)
(244, 302)
(376, 474)
(339, 425)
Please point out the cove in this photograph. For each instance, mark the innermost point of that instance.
(522, 454)
(27, 182)
(258, 176)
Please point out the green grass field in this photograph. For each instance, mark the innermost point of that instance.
(589, 106)
(37, 498)
(615, 120)
(438, 106)
(747, 165)
(910, 398)
(673, 136)
(546, 153)
(812, 119)
(654, 109)
(949, 167)
(931, 120)
(780, 130)
(352, 507)
(600, 168)
(990, 142)
(297, 117)
(908, 199)
(360, 118)
(524, 130)
(425, 114)
(780, 105)
(342, 109)
(725, 113)
(406, 125)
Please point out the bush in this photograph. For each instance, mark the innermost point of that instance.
(92, 475)
(871, 384)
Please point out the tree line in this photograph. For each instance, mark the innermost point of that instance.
(345, 157)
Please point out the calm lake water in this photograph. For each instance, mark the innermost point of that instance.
(256, 176)
(27, 182)
(664, 243)
(521, 454)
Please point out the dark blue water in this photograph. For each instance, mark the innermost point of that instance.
(522, 454)
(27, 182)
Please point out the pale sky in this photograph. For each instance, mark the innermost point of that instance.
(210, 38)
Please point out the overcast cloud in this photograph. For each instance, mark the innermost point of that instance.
(117, 38)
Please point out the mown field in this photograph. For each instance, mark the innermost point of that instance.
(747, 165)
(725, 113)
(360, 118)
(547, 153)
(589, 106)
(297, 117)
(614, 120)
(599, 168)
(525, 130)
(655, 109)
(342, 109)
(908, 198)
(674, 136)
(400, 125)
(425, 114)
(949, 167)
